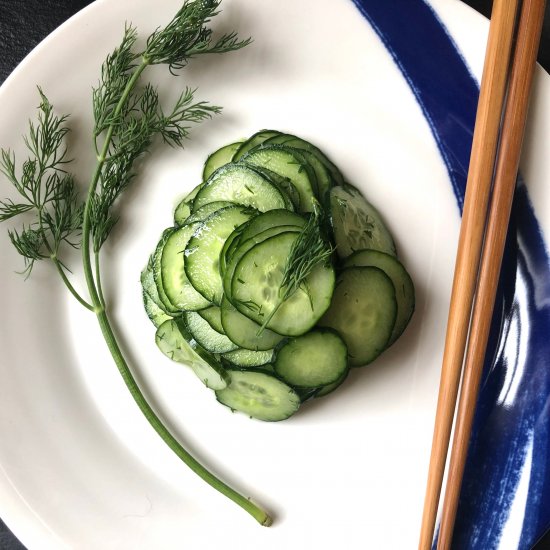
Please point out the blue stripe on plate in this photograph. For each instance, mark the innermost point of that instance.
(505, 498)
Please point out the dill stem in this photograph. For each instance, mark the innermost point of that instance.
(69, 285)
(86, 224)
(61, 270)
(257, 513)
(96, 295)
(98, 279)
(269, 317)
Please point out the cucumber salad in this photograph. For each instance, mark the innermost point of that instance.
(275, 278)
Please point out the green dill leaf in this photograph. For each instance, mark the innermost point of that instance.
(187, 36)
(116, 72)
(175, 126)
(29, 243)
(308, 251)
(9, 209)
(47, 192)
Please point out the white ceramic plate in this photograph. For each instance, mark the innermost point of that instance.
(79, 466)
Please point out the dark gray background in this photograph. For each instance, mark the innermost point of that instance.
(24, 23)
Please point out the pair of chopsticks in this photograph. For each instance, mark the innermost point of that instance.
(496, 147)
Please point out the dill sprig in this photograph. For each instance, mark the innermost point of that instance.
(128, 116)
(187, 36)
(309, 250)
(47, 195)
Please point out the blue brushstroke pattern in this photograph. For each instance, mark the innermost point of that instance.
(510, 441)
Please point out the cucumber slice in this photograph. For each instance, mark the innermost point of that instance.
(268, 367)
(148, 284)
(306, 393)
(357, 224)
(235, 255)
(363, 312)
(213, 315)
(259, 395)
(244, 331)
(285, 186)
(245, 358)
(317, 358)
(271, 219)
(325, 390)
(256, 282)
(240, 184)
(210, 339)
(289, 163)
(183, 209)
(229, 246)
(402, 282)
(322, 176)
(175, 342)
(299, 143)
(157, 315)
(256, 139)
(202, 253)
(218, 158)
(179, 291)
(181, 213)
(157, 274)
(205, 211)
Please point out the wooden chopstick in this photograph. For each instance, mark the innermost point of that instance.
(513, 130)
(488, 117)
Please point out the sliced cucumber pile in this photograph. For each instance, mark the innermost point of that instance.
(276, 277)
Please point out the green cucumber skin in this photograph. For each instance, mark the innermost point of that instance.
(149, 285)
(275, 401)
(175, 342)
(219, 158)
(213, 316)
(306, 394)
(323, 178)
(243, 331)
(156, 315)
(202, 260)
(204, 212)
(184, 207)
(202, 332)
(243, 247)
(229, 246)
(247, 359)
(181, 213)
(324, 348)
(175, 284)
(363, 312)
(268, 220)
(300, 312)
(298, 143)
(356, 224)
(157, 273)
(288, 163)
(404, 286)
(253, 141)
(285, 186)
(242, 185)
(326, 390)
